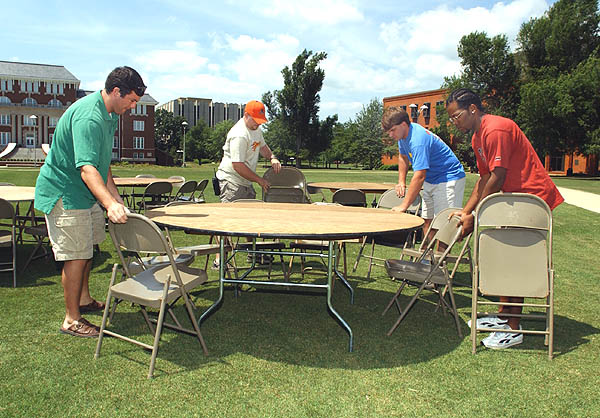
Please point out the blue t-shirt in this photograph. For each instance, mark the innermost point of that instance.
(426, 151)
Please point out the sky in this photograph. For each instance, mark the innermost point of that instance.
(234, 51)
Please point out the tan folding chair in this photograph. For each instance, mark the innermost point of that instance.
(155, 195)
(186, 191)
(512, 257)
(388, 200)
(284, 194)
(8, 238)
(288, 177)
(433, 274)
(350, 197)
(157, 288)
(199, 192)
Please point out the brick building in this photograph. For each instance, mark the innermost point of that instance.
(422, 108)
(34, 96)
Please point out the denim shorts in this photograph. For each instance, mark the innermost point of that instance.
(74, 232)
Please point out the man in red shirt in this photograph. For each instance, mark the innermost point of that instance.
(507, 162)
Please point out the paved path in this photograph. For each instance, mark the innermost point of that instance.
(585, 200)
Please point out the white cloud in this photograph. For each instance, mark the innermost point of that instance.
(329, 12)
(184, 58)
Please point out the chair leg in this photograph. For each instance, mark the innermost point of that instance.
(371, 260)
(106, 309)
(395, 299)
(159, 323)
(410, 304)
(360, 251)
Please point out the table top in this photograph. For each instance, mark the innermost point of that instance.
(366, 187)
(284, 220)
(17, 193)
(140, 181)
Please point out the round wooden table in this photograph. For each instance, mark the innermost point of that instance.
(17, 193)
(140, 181)
(365, 187)
(287, 221)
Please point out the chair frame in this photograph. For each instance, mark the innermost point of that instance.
(7, 211)
(423, 274)
(187, 187)
(141, 235)
(155, 195)
(503, 215)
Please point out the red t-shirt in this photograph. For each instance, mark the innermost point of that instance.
(499, 142)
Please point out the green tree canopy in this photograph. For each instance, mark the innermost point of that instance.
(168, 131)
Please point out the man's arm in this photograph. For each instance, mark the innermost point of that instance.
(416, 183)
(94, 181)
(112, 188)
(243, 170)
(402, 170)
(265, 151)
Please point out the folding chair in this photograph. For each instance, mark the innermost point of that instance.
(8, 238)
(288, 177)
(284, 194)
(155, 195)
(512, 255)
(464, 255)
(316, 190)
(180, 178)
(350, 197)
(199, 192)
(388, 200)
(158, 288)
(186, 191)
(433, 275)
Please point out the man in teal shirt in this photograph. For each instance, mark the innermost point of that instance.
(74, 178)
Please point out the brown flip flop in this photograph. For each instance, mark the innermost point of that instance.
(93, 306)
(81, 328)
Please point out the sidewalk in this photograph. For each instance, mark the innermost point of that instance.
(585, 200)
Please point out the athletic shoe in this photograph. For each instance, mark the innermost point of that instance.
(499, 339)
(491, 322)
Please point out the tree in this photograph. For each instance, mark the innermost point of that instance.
(167, 131)
(197, 140)
(370, 143)
(296, 105)
(218, 136)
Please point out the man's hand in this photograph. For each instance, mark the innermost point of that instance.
(400, 189)
(264, 183)
(399, 208)
(467, 221)
(275, 164)
(117, 213)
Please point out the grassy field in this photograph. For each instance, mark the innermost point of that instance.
(281, 353)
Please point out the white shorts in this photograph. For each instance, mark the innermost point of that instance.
(437, 197)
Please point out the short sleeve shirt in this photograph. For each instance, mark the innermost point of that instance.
(242, 146)
(426, 151)
(499, 142)
(83, 136)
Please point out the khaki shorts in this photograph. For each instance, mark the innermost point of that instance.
(231, 192)
(437, 197)
(74, 232)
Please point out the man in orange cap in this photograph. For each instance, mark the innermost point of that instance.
(244, 144)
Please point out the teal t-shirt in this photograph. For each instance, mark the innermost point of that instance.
(83, 136)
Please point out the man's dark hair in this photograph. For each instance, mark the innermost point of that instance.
(464, 98)
(126, 79)
(393, 116)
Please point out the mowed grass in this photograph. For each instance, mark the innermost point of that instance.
(279, 353)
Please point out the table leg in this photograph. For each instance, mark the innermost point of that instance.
(330, 278)
(222, 264)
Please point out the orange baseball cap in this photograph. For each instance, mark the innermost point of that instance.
(256, 110)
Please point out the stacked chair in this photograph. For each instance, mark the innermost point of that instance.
(512, 257)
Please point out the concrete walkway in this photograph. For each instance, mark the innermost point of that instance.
(585, 200)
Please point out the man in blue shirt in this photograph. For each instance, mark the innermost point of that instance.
(436, 169)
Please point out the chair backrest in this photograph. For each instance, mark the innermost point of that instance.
(200, 187)
(180, 178)
(350, 197)
(448, 234)
(288, 176)
(158, 188)
(442, 217)
(145, 176)
(282, 194)
(390, 199)
(187, 187)
(513, 245)
(7, 211)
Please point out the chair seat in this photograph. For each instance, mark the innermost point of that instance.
(39, 230)
(202, 249)
(309, 244)
(413, 272)
(156, 261)
(5, 237)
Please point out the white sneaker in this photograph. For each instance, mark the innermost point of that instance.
(490, 322)
(499, 339)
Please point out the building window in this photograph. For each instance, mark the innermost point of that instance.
(138, 142)
(55, 88)
(138, 125)
(115, 155)
(28, 101)
(4, 119)
(29, 121)
(50, 138)
(30, 140)
(116, 142)
(140, 109)
(4, 138)
(4, 100)
(55, 103)
(557, 163)
(6, 85)
(52, 122)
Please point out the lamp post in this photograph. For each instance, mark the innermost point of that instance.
(34, 122)
(184, 124)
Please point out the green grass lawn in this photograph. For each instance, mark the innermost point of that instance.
(281, 354)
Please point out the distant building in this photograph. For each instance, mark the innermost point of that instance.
(422, 108)
(34, 96)
(195, 109)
